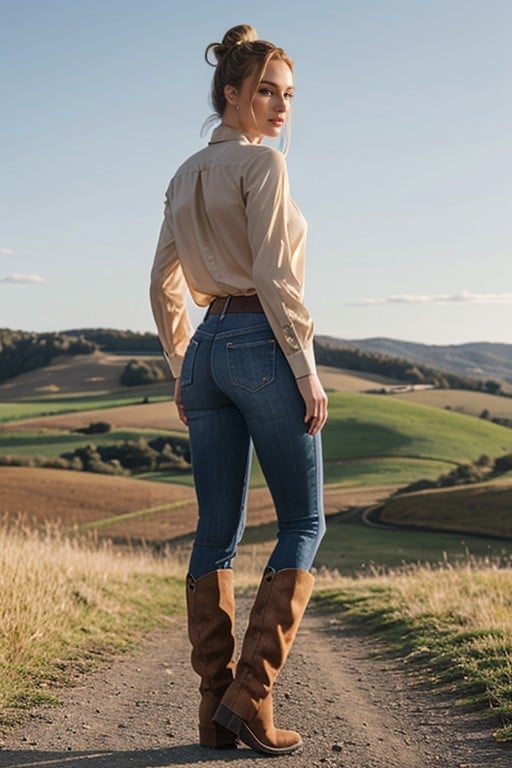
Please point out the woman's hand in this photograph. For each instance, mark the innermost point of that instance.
(315, 400)
(179, 403)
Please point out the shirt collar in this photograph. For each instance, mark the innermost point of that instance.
(226, 133)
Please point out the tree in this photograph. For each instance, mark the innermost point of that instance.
(139, 373)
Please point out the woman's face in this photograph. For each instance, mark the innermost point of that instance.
(268, 110)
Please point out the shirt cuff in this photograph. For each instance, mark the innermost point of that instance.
(175, 363)
(302, 362)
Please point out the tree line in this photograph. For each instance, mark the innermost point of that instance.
(484, 468)
(127, 457)
(397, 368)
(22, 351)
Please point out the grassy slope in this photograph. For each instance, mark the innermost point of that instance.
(11, 412)
(67, 605)
(369, 440)
(56, 442)
(484, 508)
(369, 427)
(462, 401)
(454, 622)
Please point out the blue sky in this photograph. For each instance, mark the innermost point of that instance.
(400, 157)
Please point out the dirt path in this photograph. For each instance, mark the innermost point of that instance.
(354, 709)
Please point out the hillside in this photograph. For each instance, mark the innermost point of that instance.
(481, 360)
(477, 367)
(482, 508)
(98, 374)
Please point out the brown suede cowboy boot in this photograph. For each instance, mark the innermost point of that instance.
(246, 707)
(211, 618)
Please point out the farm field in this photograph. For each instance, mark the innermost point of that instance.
(70, 376)
(372, 445)
(134, 511)
(482, 508)
(129, 509)
(369, 440)
(80, 386)
(98, 374)
(460, 400)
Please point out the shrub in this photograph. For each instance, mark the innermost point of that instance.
(503, 463)
(139, 373)
(95, 428)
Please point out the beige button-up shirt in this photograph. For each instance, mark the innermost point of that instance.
(231, 228)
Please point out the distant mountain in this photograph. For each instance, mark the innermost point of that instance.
(482, 360)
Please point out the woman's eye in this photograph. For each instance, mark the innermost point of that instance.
(265, 92)
(289, 95)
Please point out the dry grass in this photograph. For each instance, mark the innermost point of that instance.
(152, 416)
(65, 604)
(95, 374)
(462, 401)
(482, 508)
(127, 509)
(68, 603)
(78, 498)
(99, 374)
(456, 621)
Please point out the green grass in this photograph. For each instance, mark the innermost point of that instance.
(351, 547)
(484, 508)
(380, 471)
(363, 426)
(369, 440)
(373, 440)
(52, 443)
(453, 623)
(93, 635)
(36, 408)
(69, 605)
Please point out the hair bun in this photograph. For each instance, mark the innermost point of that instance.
(242, 33)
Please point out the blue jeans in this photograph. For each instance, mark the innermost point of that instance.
(238, 389)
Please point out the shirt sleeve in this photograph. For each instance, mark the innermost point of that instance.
(278, 274)
(168, 292)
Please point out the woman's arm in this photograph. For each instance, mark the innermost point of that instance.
(168, 292)
(278, 276)
(277, 263)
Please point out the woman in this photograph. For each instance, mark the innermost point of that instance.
(234, 238)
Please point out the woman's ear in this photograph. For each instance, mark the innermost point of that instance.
(231, 95)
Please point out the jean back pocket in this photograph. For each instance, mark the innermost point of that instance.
(187, 370)
(252, 364)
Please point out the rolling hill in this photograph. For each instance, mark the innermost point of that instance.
(482, 360)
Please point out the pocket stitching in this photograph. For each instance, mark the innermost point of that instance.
(190, 360)
(267, 378)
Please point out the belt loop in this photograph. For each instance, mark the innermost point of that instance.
(225, 308)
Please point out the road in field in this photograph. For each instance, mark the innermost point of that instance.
(354, 708)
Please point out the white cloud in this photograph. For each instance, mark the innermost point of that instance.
(16, 277)
(465, 297)
(7, 252)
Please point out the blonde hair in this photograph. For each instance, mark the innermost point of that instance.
(240, 55)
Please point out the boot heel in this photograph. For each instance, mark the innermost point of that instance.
(216, 737)
(227, 719)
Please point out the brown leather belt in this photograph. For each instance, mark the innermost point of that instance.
(227, 304)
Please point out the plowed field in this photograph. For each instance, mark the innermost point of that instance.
(123, 508)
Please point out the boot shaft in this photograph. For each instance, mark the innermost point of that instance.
(211, 626)
(246, 707)
(276, 615)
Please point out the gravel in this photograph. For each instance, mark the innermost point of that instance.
(354, 707)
